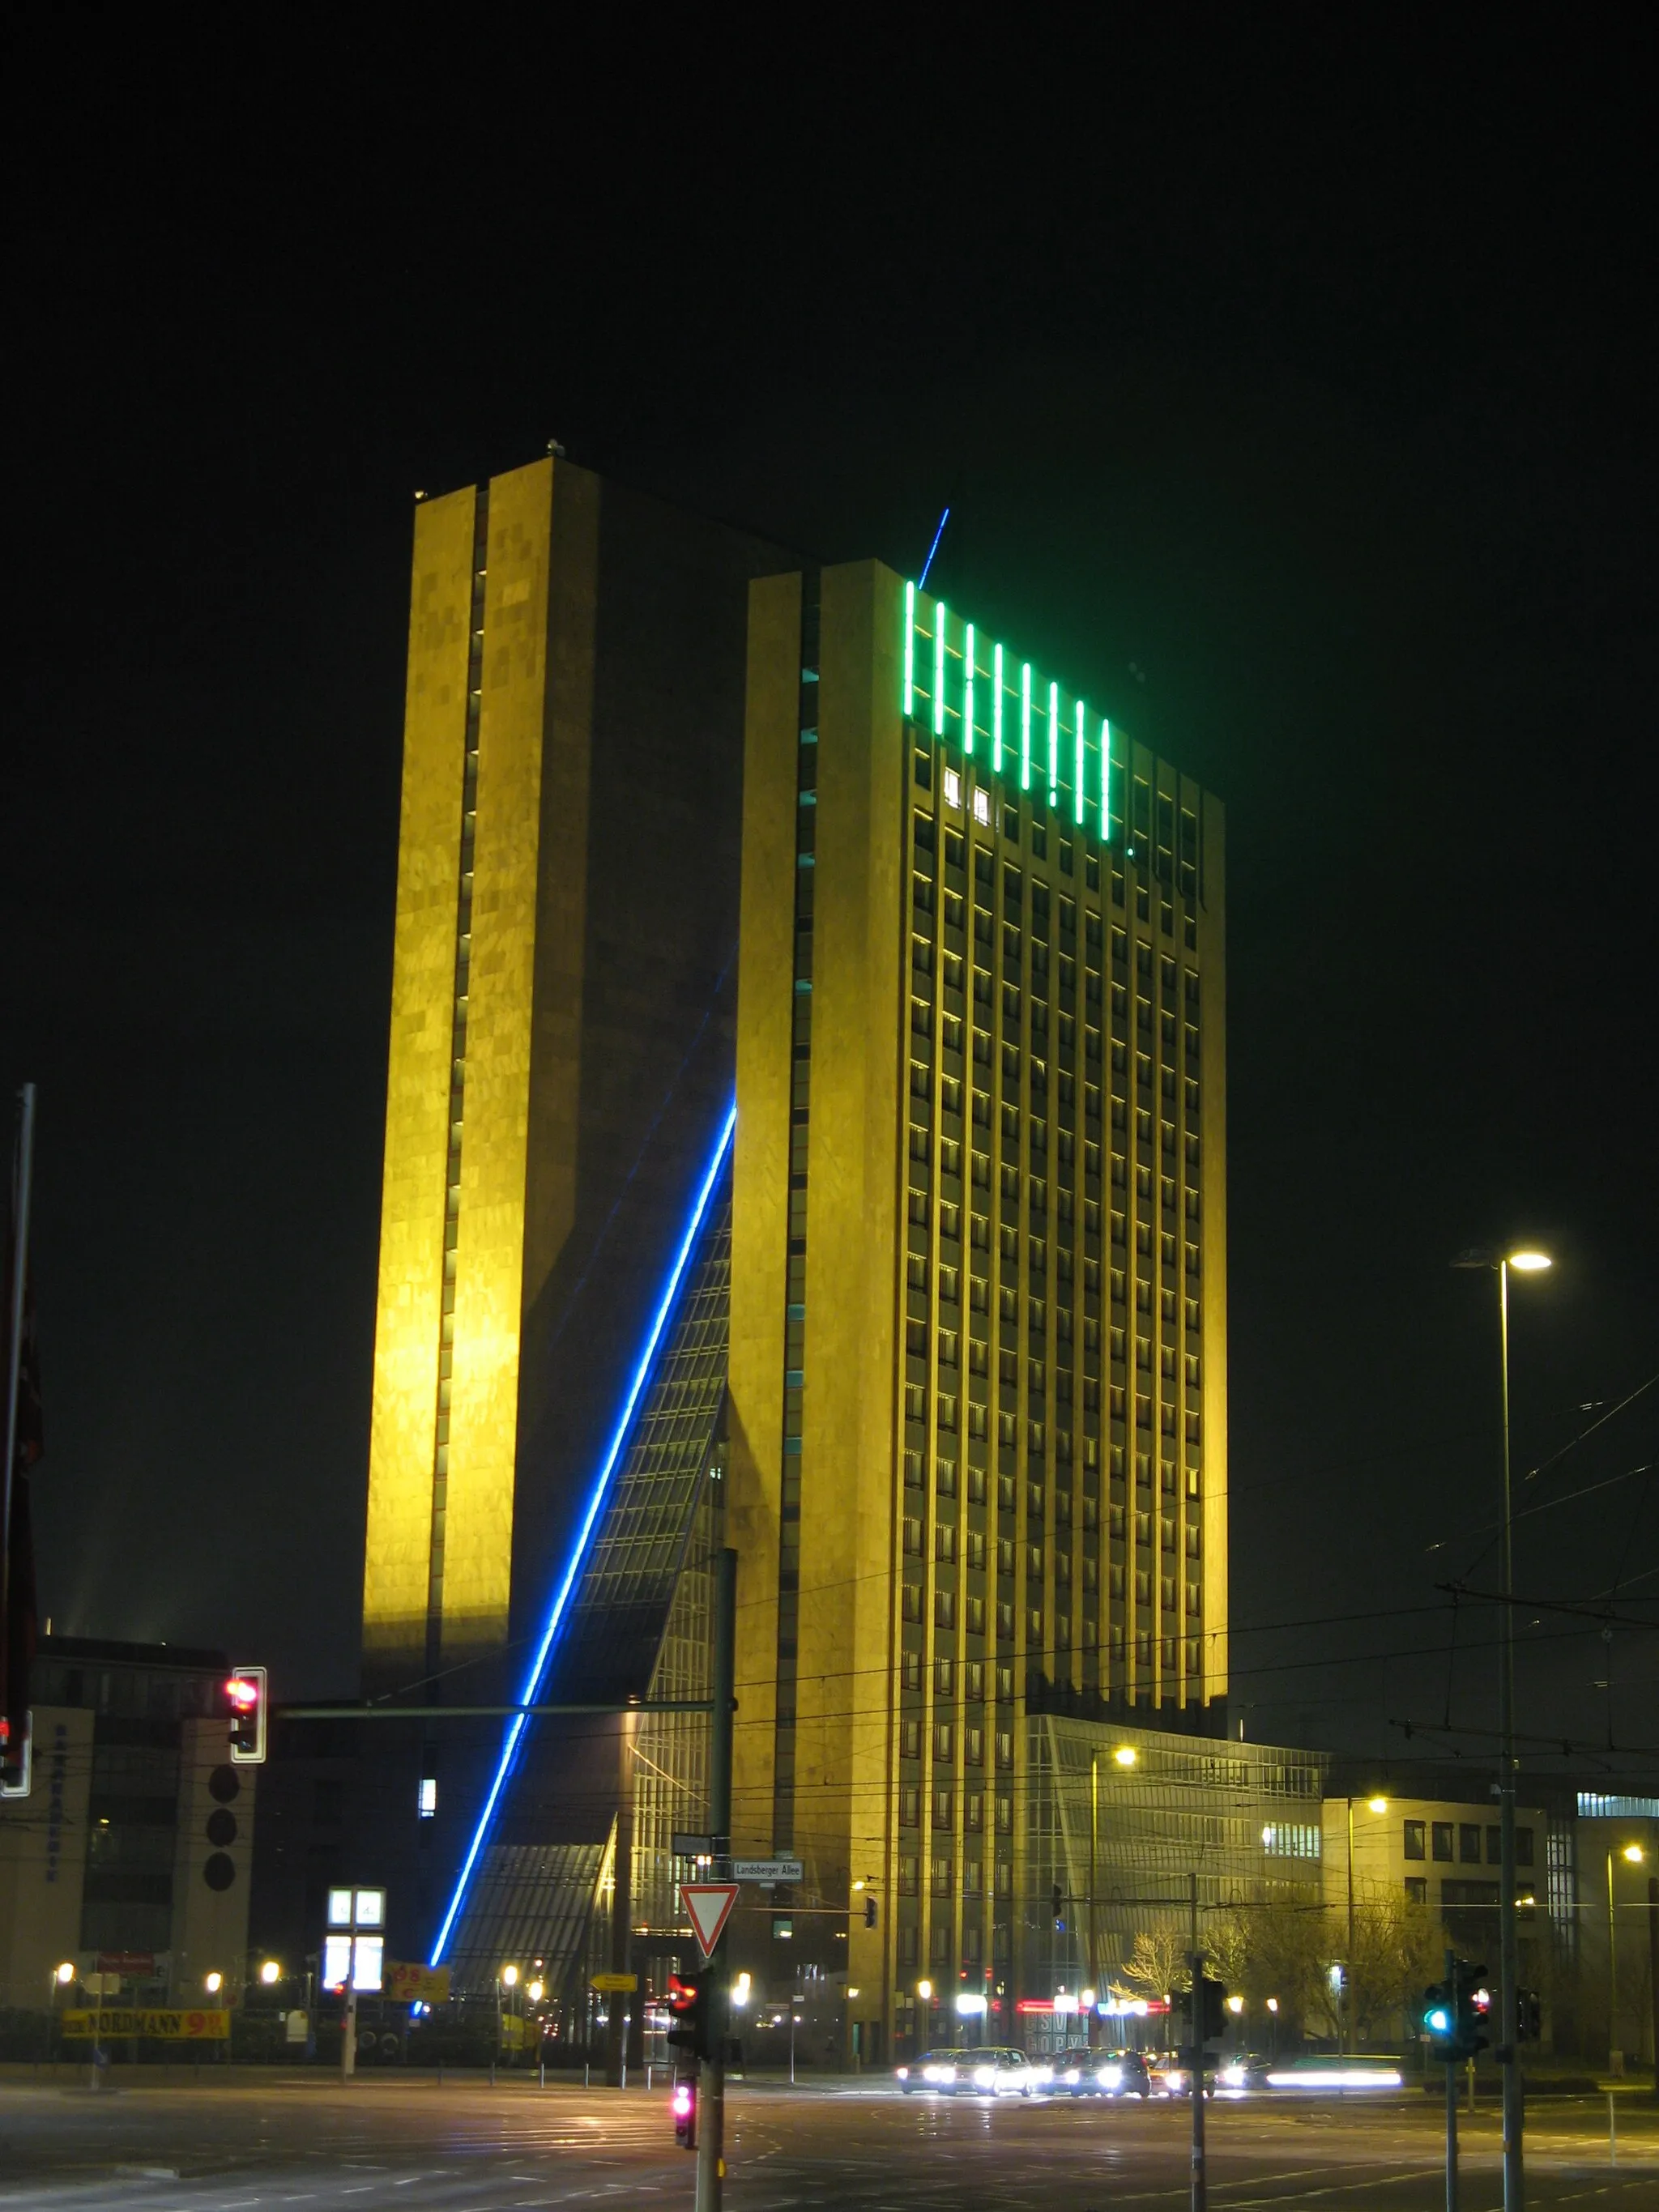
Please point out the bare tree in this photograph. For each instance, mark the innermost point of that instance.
(1157, 1963)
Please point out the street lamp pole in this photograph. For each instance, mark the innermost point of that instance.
(1526, 1262)
(1635, 1854)
(1509, 1976)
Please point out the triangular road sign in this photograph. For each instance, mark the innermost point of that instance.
(707, 1908)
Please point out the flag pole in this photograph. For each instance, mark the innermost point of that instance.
(23, 1171)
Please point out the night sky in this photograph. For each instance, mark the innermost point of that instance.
(1293, 395)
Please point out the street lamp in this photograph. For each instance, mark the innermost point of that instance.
(1124, 1756)
(270, 1973)
(1525, 1260)
(1633, 1855)
(213, 1983)
(1372, 1805)
(1273, 2027)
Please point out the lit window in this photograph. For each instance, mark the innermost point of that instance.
(428, 1799)
(952, 788)
(982, 808)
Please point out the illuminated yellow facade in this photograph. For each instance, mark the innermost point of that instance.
(560, 1048)
(978, 1364)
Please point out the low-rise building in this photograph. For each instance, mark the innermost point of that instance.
(129, 1857)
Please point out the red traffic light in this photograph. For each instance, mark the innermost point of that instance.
(244, 1694)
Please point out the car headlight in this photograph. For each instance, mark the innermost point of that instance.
(1176, 2078)
(1233, 2077)
(986, 2076)
(1074, 2074)
(938, 2074)
(903, 2072)
(1110, 2077)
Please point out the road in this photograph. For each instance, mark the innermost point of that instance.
(407, 2142)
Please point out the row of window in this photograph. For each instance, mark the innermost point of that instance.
(1435, 1838)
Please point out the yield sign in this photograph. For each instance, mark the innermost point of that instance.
(707, 1908)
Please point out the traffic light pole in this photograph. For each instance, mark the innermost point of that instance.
(1200, 2185)
(711, 2072)
(1451, 2107)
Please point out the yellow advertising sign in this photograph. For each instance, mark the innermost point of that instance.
(413, 1984)
(163, 2025)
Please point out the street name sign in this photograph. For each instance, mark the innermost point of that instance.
(707, 1906)
(765, 1869)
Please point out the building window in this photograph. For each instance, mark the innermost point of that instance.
(1441, 1840)
(1417, 1889)
(1524, 1847)
(1494, 1846)
(1469, 1843)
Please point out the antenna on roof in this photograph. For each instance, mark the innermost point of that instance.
(932, 549)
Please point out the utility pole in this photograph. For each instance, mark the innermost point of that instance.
(711, 2073)
(1195, 1960)
(24, 1171)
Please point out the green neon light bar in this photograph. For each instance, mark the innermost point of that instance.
(997, 675)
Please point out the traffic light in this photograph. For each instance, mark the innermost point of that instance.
(688, 2000)
(1212, 2010)
(685, 2112)
(1528, 2016)
(245, 1694)
(869, 1911)
(1453, 2013)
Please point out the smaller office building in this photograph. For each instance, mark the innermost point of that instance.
(130, 1854)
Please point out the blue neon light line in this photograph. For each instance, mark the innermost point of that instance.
(921, 582)
(532, 1680)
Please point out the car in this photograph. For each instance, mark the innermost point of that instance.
(1121, 2074)
(999, 2070)
(1074, 2070)
(1171, 2076)
(938, 2070)
(1243, 2074)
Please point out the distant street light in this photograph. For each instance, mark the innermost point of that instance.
(213, 1984)
(270, 1973)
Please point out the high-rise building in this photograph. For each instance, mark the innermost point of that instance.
(563, 994)
(807, 1131)
(978, 1358)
